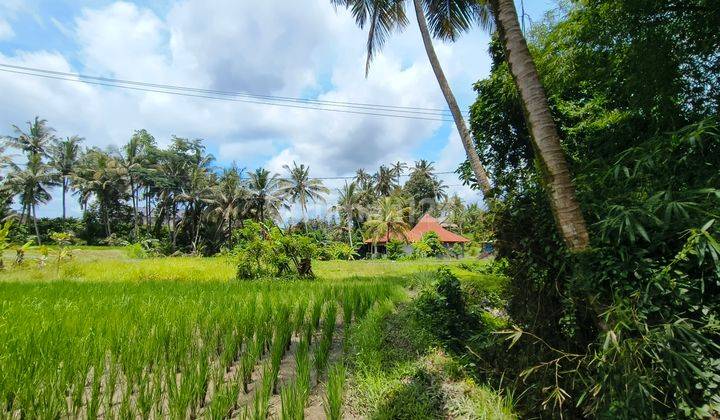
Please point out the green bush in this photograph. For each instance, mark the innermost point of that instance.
(435, 246)
(343, 251)
(395, 249)
(266, 252)
(442, 307)
(420, 249)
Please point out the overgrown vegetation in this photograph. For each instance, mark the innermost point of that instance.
(405, 366)
(629, 328)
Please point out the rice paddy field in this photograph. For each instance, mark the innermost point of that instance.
(106, 336)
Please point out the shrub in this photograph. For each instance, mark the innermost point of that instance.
(421, 249)
(342, 251)
(395, 249)
(263, 252)
(442, 307)
(435, 246)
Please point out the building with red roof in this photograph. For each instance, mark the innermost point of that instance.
(426, 224)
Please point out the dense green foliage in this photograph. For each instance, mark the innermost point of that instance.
(442, 307)
(630, 328)
(177, 198)
(269, 252)
(401, 366)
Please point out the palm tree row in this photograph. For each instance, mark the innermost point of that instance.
(177, 194)
(379, 205)
(176, 189)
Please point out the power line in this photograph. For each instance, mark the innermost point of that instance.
(429, 111)
(412, 117)
(326, 178)
(429, 114)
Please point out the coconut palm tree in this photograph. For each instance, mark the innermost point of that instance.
(384, 181)
(36, 141)
(387, 221)
(349, 207)
(31, 184)
(266, 196)
(299, 187)
(166, 179)
(131, 157)
(64, 157)
(100, 176)
(449, 18)
(398, 168)
(229, 200)
(546, 139)
(454, 211)
(196, 195)
(362, 178)
(382, 17)
(424, 168)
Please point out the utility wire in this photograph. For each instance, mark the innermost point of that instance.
(431, 114)
(325, 178)
(412, 117)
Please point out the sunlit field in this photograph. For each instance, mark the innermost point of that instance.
(105, 335)
(97, 264)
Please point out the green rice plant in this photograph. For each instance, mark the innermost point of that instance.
(283, 335)
(224, 399)
(329, 321)
(334, 392)
(302, 371)
(299, 317)
(292, 406)
(316, 313)
(111, 377)
(76, 392)
(146, 395)
(275, 359)
(151, 339)
(247, 363)
(93, 403)
(347, 306)
(262, 394)
(309, 331)
(320, 357)
(125, 408)
(302, 365)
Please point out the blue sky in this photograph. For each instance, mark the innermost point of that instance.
(265, 47)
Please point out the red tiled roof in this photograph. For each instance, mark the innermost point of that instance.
(424, 225)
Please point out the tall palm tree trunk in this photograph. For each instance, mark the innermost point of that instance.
(349, 225)
(147, 207)
(477, 167)
(303, 207)
(546, 140)
(64, 192)
(37, 230)
(107, 220)
(133, 194)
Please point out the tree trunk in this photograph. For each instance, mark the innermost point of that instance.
(467, 141)
(37, 230)
(546, 140)
(108, 231)
(147, 208)
(349, 225)
(64, 191)
(135, 210)
(304, 216)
